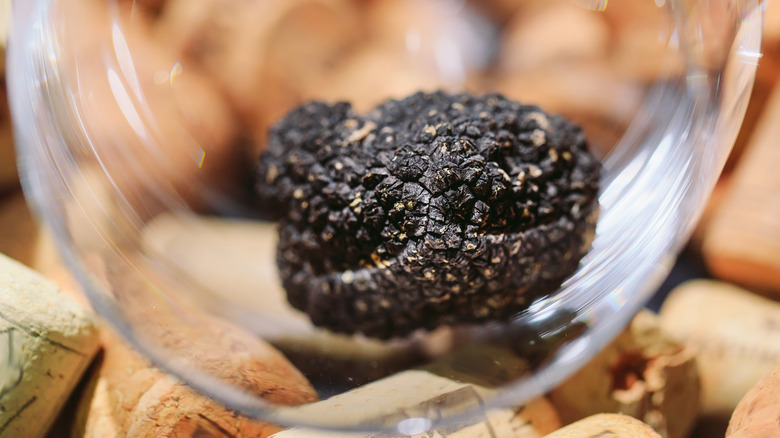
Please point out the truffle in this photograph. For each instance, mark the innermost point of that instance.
(432, 210)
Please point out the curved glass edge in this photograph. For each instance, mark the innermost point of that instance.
(705, 122)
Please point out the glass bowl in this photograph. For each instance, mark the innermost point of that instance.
(140, 124)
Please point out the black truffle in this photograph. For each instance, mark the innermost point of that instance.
(431, 210)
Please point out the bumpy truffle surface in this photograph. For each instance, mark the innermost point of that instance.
(435, 209)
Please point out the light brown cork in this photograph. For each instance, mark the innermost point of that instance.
(734, 333)
(743, 238)
(606, 426)
(126, 396)
(758, 413)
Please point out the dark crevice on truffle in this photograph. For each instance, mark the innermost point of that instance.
(431, 210)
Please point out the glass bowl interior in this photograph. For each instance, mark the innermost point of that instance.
(140, 124)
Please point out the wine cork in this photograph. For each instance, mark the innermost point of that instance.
(126, 396)
(533, 38)
(425, 395)
(641, 32)
(46, 343)
(743, 238)
(606, 426)
(734, 334)
(758, 412)
(644, 373)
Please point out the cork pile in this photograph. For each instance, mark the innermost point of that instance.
(706, 365)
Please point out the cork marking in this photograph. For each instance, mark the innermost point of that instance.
(11, 359)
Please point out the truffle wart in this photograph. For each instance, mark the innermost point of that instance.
(435, 209)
